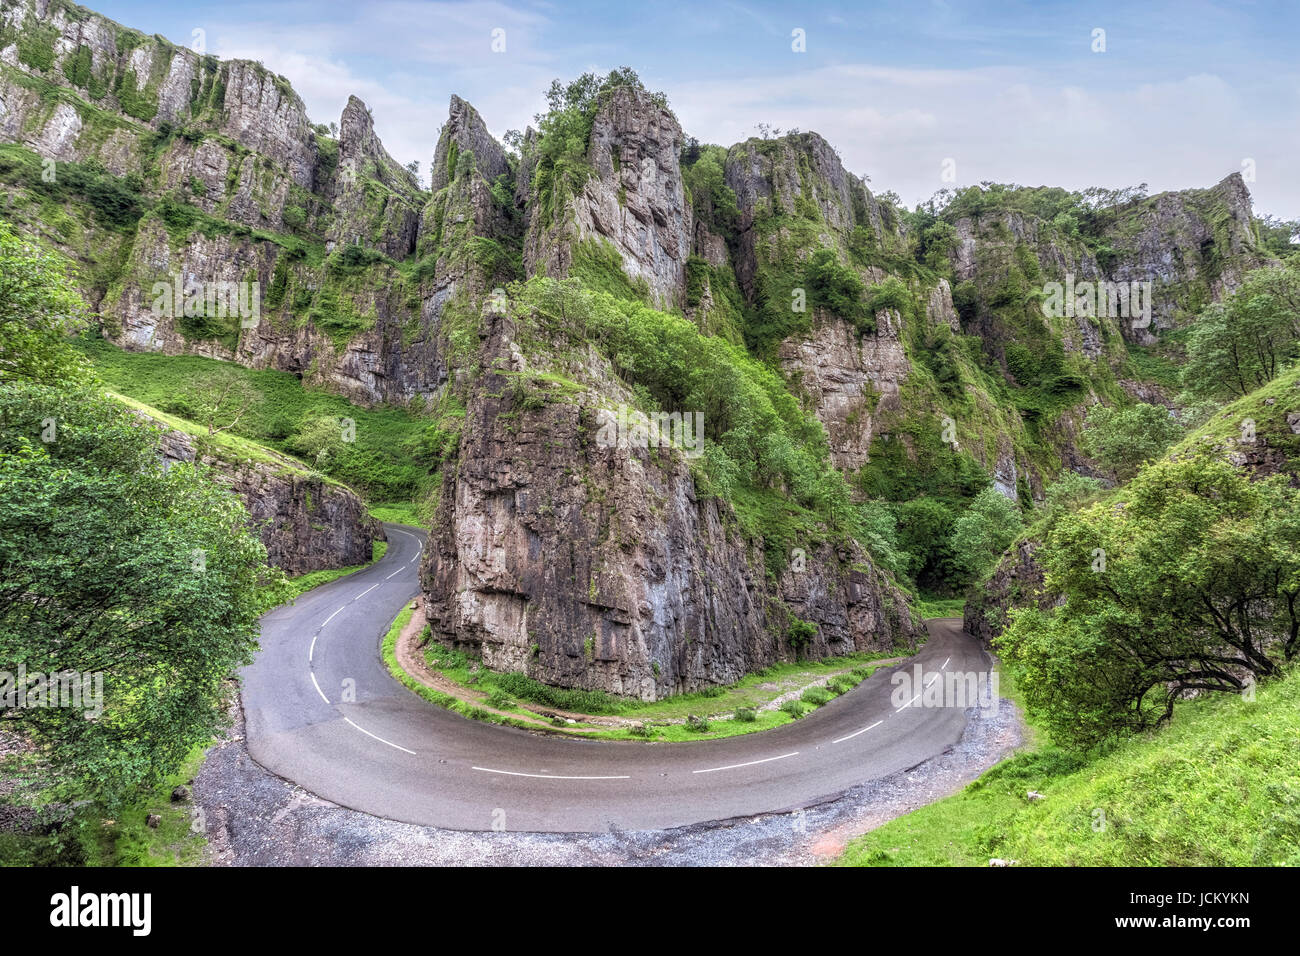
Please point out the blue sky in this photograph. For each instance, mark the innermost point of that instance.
(1184, 93)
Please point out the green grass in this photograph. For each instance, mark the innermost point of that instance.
(1216, 787)
(399, 512)
(387, 461)
(130, 842)
(749, 691)
(313, 579)
(929, 607)
(127, 840)
(505, 691)
(229, 448)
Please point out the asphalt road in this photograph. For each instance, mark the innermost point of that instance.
(323, 711)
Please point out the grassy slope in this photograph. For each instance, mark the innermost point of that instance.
(381, 463)
(1219, 786)
(505, 709)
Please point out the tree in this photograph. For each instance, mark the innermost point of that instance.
(39, 308)
(320, 440)
(1070, 492)
(983, 532)
(1192, 585)
(1240, 344)
(113, 565)
(1121, 439)
(219, 400)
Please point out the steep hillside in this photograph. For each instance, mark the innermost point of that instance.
(307, 522)
(1216, 788)
(1259, 433)
(864, 371)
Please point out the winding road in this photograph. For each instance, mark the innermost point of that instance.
(323, 712)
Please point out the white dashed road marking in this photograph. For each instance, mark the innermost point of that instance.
(381, 739)
(749, 764)
(856, 732)
(547, 776)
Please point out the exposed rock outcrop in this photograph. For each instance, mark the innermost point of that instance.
(635, 200)
(592, 565)
(307, 523)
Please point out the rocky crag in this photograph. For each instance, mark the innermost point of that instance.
(306, 522)
(912, 338)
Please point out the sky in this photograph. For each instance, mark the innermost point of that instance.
(1174, 94)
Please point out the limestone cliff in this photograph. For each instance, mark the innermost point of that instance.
(633, 200)
(599, 566)
(306, 522)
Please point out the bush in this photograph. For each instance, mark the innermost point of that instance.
(746, 715)
(498, 699)
(794, 708)
(817, 696)
(698, 725)
(842, 683)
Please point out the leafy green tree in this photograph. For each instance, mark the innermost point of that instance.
(39, 308)
(1242, 343)
(983, 532)
(924, 533)
(320, 440)
(1192, 585)
(218, 400)
(112, 564)
(1070, 492)
(1121, 439)
(836, 287)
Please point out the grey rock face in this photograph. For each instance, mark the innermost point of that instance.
(635, 200)
(1194, 246)
(598, 567)
(851, 379)
(376, 201)
(307, 524)
(466, 129)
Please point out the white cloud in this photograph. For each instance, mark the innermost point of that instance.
(897, 125)
(1009, 125)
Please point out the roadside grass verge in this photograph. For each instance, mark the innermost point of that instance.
(1218, 786)
(313, 579)
(521, 701)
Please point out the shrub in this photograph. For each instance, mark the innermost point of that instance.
(817, 696)
(746, 715)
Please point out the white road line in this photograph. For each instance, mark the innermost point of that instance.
(397, 572)
(332, 616)
(547, 776)
(312, 650)
(932, 680)
(382, 740)
(856, 732)
(365, 592)
(318, 690)
(749, 764)
(944, 664)
(908, 704)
